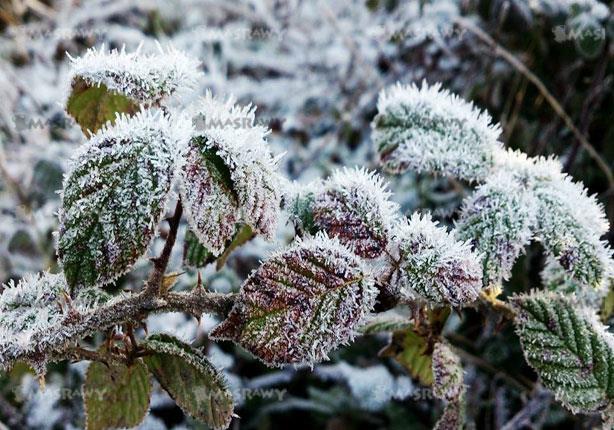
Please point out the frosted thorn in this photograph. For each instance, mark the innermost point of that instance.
(199, 282)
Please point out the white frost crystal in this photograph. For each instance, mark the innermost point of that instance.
(428, 129)
(433, 264)
(228, 174)
(145, 78)
(32, 303)
(531, 198)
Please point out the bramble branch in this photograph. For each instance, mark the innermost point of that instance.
(57, 342)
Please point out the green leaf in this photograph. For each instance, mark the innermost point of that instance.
(195, 254)
(411, 350)
(114, 197)
(300, 303)
(116, 396)
(94, 105)
(568, 348)
(192, 381)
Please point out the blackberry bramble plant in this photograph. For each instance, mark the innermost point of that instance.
(354, 254)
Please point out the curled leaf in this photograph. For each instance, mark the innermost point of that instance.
(228, 174)
(498, 219)
(143, 78)
(300, 303)
(447, 373)
(211, 203)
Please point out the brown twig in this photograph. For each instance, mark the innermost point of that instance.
(539, 403)
(154, 282)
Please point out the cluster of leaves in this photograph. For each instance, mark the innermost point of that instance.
(353, 246)
(520, 199)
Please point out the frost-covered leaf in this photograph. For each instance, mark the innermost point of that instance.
(447, 373)
(411, 350)
(31, 304)
(94, 105)
(228, 174)
(31, 307)
(555, 278)
(301, 303)
(116, 396)
(433, 264)
(352, 205)
(211, 203)
(448, 386)
(427, 129)
(498, 219)
(568, 348)
(532, 198)
(144, 78)
(193, 382)
(114, 197)
(570, 229)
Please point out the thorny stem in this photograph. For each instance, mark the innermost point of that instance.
(58, 342)
(160, 263)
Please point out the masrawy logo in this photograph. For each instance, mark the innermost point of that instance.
(566, 33)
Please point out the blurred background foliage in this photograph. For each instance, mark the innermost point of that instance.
(314, 70)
